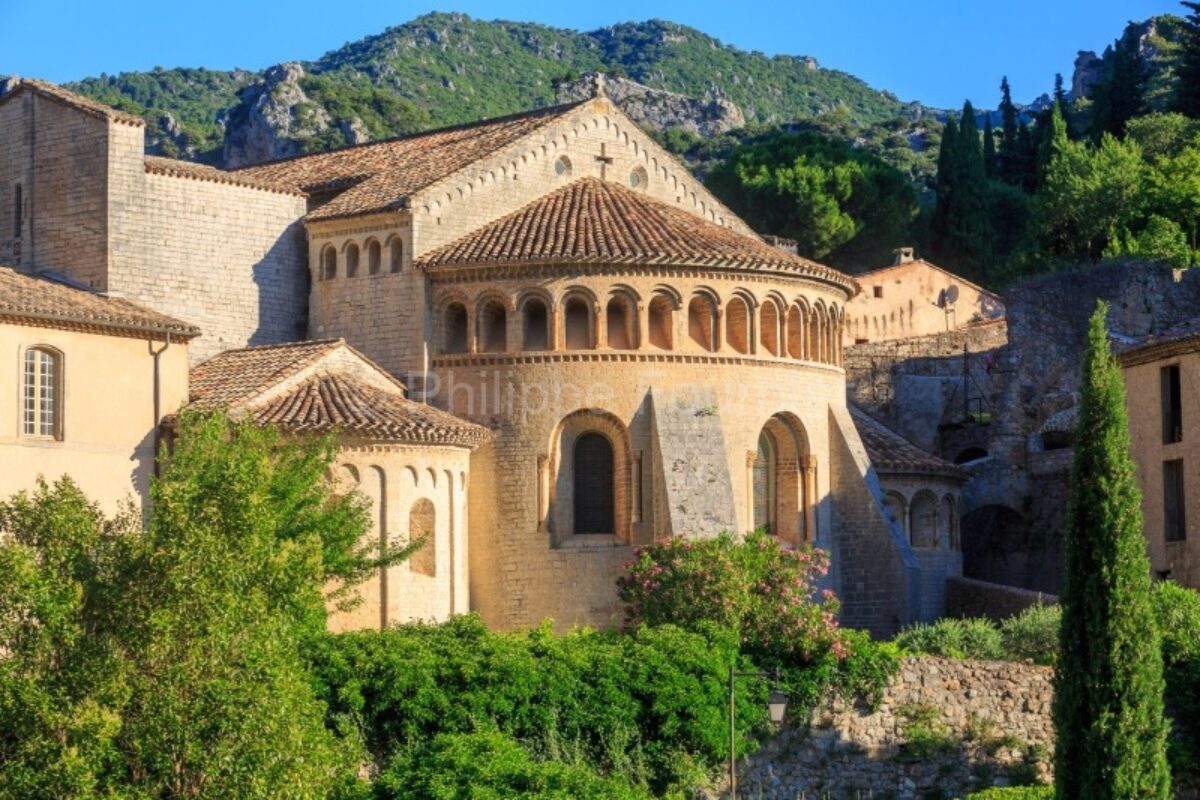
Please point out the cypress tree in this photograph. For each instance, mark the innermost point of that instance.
(1122, 95)
(1053, 139)
(989, 148)
(1008, 165)
(961, 227)
(1187, 88)
(946, 172)
(1108, 700)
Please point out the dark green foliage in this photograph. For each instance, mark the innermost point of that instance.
(842, 205)
(383, 114)
(1121, 95)
(1009, 168)
(650, 706)
(962, 229)
(1032, 635)
(1108, 702)
(1178, 612)
(1187, 86)
(989, 149)
(1015, 793)
(491, 766)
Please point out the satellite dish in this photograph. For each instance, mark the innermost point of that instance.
(952, 294)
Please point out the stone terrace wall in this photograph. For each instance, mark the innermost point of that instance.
(993, 719)
(967, 598)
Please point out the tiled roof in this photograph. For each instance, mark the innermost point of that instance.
(237, 376)
(338, 402)
(332, 397)
(382, 175)
(1183, 337)
(594, 221)
(41, 300)
(77, 101)
(892, 453)
(1064, 421)
(187, 169)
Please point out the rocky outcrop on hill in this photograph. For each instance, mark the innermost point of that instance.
(656, 108)
(273, 120)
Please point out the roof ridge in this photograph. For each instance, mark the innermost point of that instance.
(74, 99)
(404, 137)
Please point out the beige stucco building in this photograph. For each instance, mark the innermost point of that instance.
(85, 380)
(912, 297)
(1162, 384)
(612, 355)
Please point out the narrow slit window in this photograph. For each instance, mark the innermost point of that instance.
(1173, 498)
(1172, 404)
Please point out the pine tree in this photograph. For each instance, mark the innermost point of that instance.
(1060, 94)
(1108, 701)
(1053, 138)
(961, 228)
(1008, 165)
(1187, 88)
(989, 148)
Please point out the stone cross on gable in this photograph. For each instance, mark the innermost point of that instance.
(604, 160)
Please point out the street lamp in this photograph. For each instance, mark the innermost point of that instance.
(776, 708)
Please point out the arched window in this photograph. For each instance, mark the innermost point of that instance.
(536, 325)
(770, 323)
(923, 522)
(493, 328)
(328, 263)
(702, 323)
(764, 484)
(620, 324)
(397, 254)
(662, 322)
(795, 332)
(374, 257)
(737, 325)
(352, 261)
(578, 324)
(454, 334)
(593, 489)
(422, 519)
(41, 394)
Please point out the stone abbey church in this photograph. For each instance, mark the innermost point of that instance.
(540, 341)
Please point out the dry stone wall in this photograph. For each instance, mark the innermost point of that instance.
(943, 729)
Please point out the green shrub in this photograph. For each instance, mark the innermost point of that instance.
(767, 593)
(925, 733)
(491, 766)
(954, 638)
(650, 706)
(1177, 611)
(1015, 793)
(1032, 634)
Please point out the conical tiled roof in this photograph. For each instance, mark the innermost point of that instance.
(591, 221)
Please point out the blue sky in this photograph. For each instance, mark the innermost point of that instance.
(939, 52)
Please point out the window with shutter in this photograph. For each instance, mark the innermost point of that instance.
(593, 484)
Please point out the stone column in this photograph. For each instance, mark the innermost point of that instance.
(600, 329)
(809, 480)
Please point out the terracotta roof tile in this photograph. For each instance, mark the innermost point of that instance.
(331, 398)
(77, 101)
(158, 165)
(46, 301)
(1183, 337)
(595, 221)
(892, 453)
(338, 402)
(237, 376)
(382, 175)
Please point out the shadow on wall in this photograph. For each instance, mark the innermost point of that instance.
(1000, 546)
(283, 282)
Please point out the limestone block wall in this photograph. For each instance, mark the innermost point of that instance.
(381, 313)
(412, 491)
(877, 571)
(994, 719)
(229, 259)
(527, 563)
(967, 598)
(108, 422)
(60, 158)
(596, 139)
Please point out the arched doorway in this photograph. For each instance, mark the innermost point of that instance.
(594, 498)
(782, 481)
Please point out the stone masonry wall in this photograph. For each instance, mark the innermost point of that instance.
(967, 598)
(944, 728)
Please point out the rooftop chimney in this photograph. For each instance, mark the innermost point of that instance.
(902, 255)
